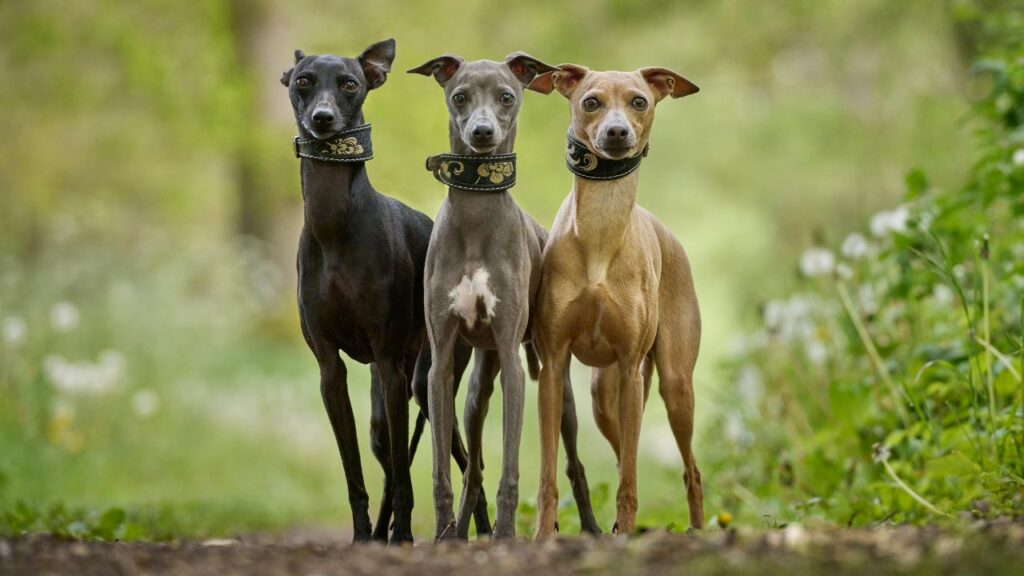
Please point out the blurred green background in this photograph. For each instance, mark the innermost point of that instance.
(151, 357)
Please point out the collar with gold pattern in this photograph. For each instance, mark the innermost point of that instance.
(585, 163)
(346, 146)
(477, 173)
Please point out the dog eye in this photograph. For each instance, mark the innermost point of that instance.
(591, 104)
(507, 99)
(350, 86)
(459, 99)
(302, 83)
(640, 103)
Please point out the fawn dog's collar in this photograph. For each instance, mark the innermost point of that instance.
(346, 146)
(585, 163)
(477, 173)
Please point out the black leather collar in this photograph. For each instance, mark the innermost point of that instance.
(585, 163)
(477, 173)
(346, 146)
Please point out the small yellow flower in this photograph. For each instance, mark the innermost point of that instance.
(724, 519)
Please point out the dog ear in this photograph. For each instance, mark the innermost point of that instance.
(526, 68)
(665, 82)
(286, 78)
(376, 62)
(564, 78)
(441, 68)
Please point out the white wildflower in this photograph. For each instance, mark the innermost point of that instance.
(749, 384)
(844, 272)
(943, 294)
(816, 352)
(868, 299)
(1018, 157)
(817, 262)
(145, 403)
(887, 222)
(64, 316)
(85, 377)
(855, 246)
(14, 330)
(880, 453)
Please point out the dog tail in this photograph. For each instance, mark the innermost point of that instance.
(532, 363)
(421, 421)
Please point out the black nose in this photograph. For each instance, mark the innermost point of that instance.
(483, 132)
(617, 133)
(323, 116)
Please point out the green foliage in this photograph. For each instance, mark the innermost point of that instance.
(896, 374)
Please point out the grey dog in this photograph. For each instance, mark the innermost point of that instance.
(482, 273)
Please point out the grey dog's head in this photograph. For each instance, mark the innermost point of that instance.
(483, 98)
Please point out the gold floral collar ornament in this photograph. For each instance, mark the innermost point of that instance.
(583, 162)
(345, 146)
(477, 173)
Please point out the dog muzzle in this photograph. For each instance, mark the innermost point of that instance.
(346, 146)
(477, 173)
(583, 162)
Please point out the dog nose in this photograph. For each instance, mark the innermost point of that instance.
(483, 132)
(323, 116)
(617, 133)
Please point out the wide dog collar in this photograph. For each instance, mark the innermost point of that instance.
(346, 146)
(477, 173)
(585, 163)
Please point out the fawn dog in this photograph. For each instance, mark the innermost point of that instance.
(616, 289)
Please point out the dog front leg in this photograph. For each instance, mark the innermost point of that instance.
(442, 415)
(513, 385)
(550, 403)
(334, 392)
(631, 407)
(481, 386)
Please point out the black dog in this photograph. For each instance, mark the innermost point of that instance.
(360, 286)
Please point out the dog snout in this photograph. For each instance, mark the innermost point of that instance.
(617, 135)
(483, 134)
(323, 116)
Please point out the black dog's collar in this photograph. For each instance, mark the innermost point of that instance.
(583, 162)
(346, 146)
(478, 173)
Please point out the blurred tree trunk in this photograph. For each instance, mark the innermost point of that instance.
(249, 22)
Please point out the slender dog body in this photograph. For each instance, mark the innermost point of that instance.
(482, 274)
(616, 292)
(360, 268)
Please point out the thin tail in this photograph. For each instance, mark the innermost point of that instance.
(421, 421)
(532, 363)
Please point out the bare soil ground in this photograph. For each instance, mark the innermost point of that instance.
(996, 548)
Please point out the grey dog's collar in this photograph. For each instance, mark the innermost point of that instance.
(585, 163)
(352, 145)
(477, 173)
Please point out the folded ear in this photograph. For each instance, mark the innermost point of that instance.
(376, 62)
(441, 68)
(286, 78)
(565, 78)
(665, 82)
(526, 67)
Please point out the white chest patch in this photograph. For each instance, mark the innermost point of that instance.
(472, 298)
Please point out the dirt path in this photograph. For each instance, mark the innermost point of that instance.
(990, 549)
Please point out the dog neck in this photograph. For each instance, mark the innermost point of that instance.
(332, 191)
(466, 198)
(602, 211)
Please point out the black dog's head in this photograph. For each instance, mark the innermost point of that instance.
(327, 92)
